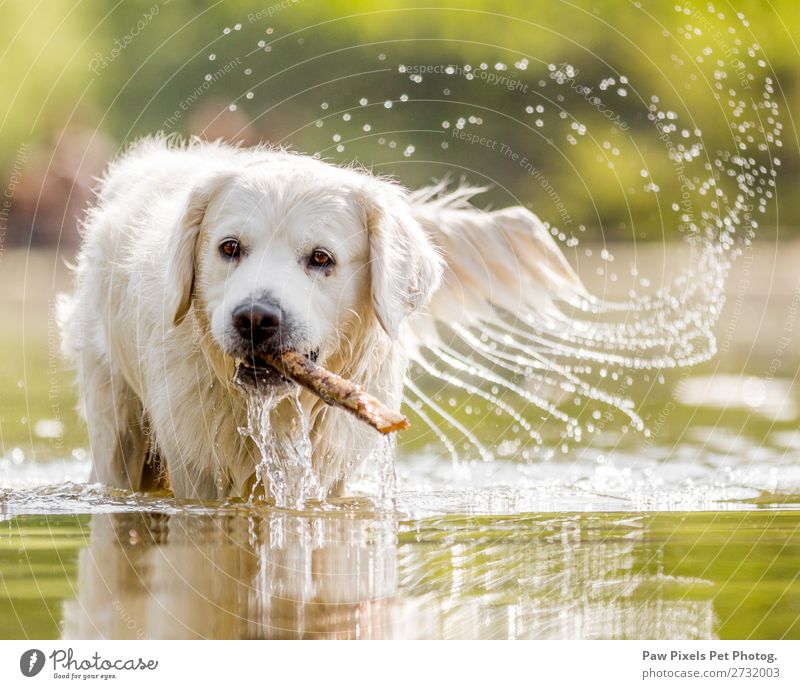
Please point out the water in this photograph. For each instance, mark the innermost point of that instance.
(697, 537)
(285, 473)
(714, 465)
(572, 359)
(236, 574)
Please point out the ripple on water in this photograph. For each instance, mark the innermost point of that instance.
(688, 476)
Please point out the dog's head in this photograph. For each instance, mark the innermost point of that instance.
(289, 252)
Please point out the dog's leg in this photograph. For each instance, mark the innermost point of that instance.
(154, 472)
(187, 455)
(186, 480)
(116, 425)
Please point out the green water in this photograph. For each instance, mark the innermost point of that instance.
(243, 574)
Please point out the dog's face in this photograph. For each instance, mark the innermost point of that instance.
(289, 253)
(281, 267)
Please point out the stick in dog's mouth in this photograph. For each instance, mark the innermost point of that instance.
(330, 388)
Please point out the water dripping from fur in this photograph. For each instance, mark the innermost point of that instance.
(285, 474)
(285, 471)
(387, 476)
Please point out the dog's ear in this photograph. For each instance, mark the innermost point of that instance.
(183, 245)
(405, 267)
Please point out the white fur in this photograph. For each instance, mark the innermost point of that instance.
(149, 324)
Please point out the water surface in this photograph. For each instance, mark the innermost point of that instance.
(239, 573)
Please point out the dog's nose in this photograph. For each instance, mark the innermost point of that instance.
(257, 322)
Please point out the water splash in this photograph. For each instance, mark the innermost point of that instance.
(285, 472)
(551, 372)
(557, 370)
(383, 457)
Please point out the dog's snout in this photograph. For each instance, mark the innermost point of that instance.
(257, 322)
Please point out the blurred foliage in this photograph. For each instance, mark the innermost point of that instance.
(76, 74)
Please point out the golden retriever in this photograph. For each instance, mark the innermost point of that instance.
(197, 256)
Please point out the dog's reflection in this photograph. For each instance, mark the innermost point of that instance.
(254, 576)
(285, 575)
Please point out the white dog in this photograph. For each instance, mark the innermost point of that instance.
(197, 257)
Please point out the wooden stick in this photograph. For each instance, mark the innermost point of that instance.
(338, 391)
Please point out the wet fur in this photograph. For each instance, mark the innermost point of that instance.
(155, 385)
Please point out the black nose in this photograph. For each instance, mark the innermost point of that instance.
(256, 322)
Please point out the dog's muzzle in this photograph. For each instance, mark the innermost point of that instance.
(262, 327)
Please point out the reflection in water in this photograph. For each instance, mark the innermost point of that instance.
(552, 578)
(292, 575)
(178, 576)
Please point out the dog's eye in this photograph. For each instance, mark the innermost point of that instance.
(320, 259)
(230, 249)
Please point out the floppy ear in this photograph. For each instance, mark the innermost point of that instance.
(183, 244)
(405, 268)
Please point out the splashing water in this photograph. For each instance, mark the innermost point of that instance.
(285, 471)
(535, 365)
(554, 369)
(383, 456)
